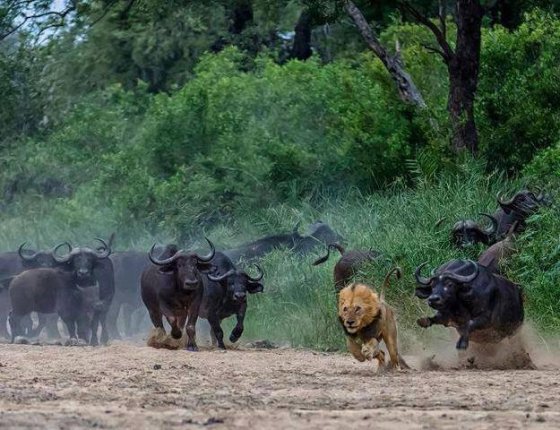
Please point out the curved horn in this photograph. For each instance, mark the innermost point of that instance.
(419, 278)
(62, 258)
(220, 277)
(259, 276)
(107, 249)
(26, 257)
(209, 256)
(505, 203)
(169, 260)
(463, 279)
(494, 227)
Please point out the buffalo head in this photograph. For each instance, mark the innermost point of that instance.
(239, 283)
(467, 233)
(186, 266)
(449, 282)
(83, 261)
(523, 204)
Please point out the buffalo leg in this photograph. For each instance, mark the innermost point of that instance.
(15, 325)
(71, 327)
(238, 329)
(217, 329)
(175, 323)
(104, 328)
(468, 328)
(437, 319)
(157, 320)
(94, 328)
(42, 323)
(191, 325)
(113, 317)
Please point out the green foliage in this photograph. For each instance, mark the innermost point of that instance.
(519, 91)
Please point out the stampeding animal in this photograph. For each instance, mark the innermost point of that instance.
(493, 257)
(225, 294)
(349, 263)
(467, 232)
(93, 276)
(173, 287)
(481, 305)
(128, 267)
(319, 233)
(515, 210)
(12, 264)
(367, 320)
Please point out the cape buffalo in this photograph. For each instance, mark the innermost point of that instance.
(173, 287)
(348, 264)
(467, 232)
(12, 264)
(517, 209)
(482, 306)
(319, 234)
(225, 294)
(92, 269)
(128, 267)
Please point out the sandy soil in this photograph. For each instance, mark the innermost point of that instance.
(129, 385)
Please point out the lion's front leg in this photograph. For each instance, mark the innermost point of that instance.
(370, 349)
(355, 349)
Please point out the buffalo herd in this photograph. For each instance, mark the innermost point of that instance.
(90, 289)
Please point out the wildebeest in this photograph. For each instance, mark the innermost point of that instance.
(173, 287)
(348, 264)
(12, 264)
(482, 306)
(92, 274)
(225, 294)
(319, 233)
(467, 232)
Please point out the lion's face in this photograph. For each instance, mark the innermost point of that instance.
(357, 306)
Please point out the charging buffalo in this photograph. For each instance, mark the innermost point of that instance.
(482, 306)
(225, 294)
(349, 263)
(173, 287)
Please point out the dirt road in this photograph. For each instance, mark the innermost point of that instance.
(132, 386)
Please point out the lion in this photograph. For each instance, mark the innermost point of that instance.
(367, 319)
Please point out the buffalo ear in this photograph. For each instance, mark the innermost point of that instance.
(423, 292)
(255, 287)
(206, 267)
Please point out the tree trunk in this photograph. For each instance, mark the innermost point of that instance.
(241, 16)
(301, 48)
(463, 70)
(407, 90)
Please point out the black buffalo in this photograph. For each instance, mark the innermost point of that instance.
(92, 274)
(11, 265)
(482, 306)
(128, 267)
(349, 263)
(319, 234)
(173, 287)
(225, 294)
(516, 210)
(467, 232)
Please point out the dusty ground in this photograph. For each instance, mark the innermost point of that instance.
(129, 385)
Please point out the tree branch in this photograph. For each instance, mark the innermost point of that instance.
(438, 33)
(406, 87)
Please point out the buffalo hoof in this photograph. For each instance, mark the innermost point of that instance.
(72, 342)
(20, 340)
(234, 338)
(82, 342)
(423, 322)
(463, 343)
(192, 348)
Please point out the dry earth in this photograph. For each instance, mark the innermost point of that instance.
(129, 385)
